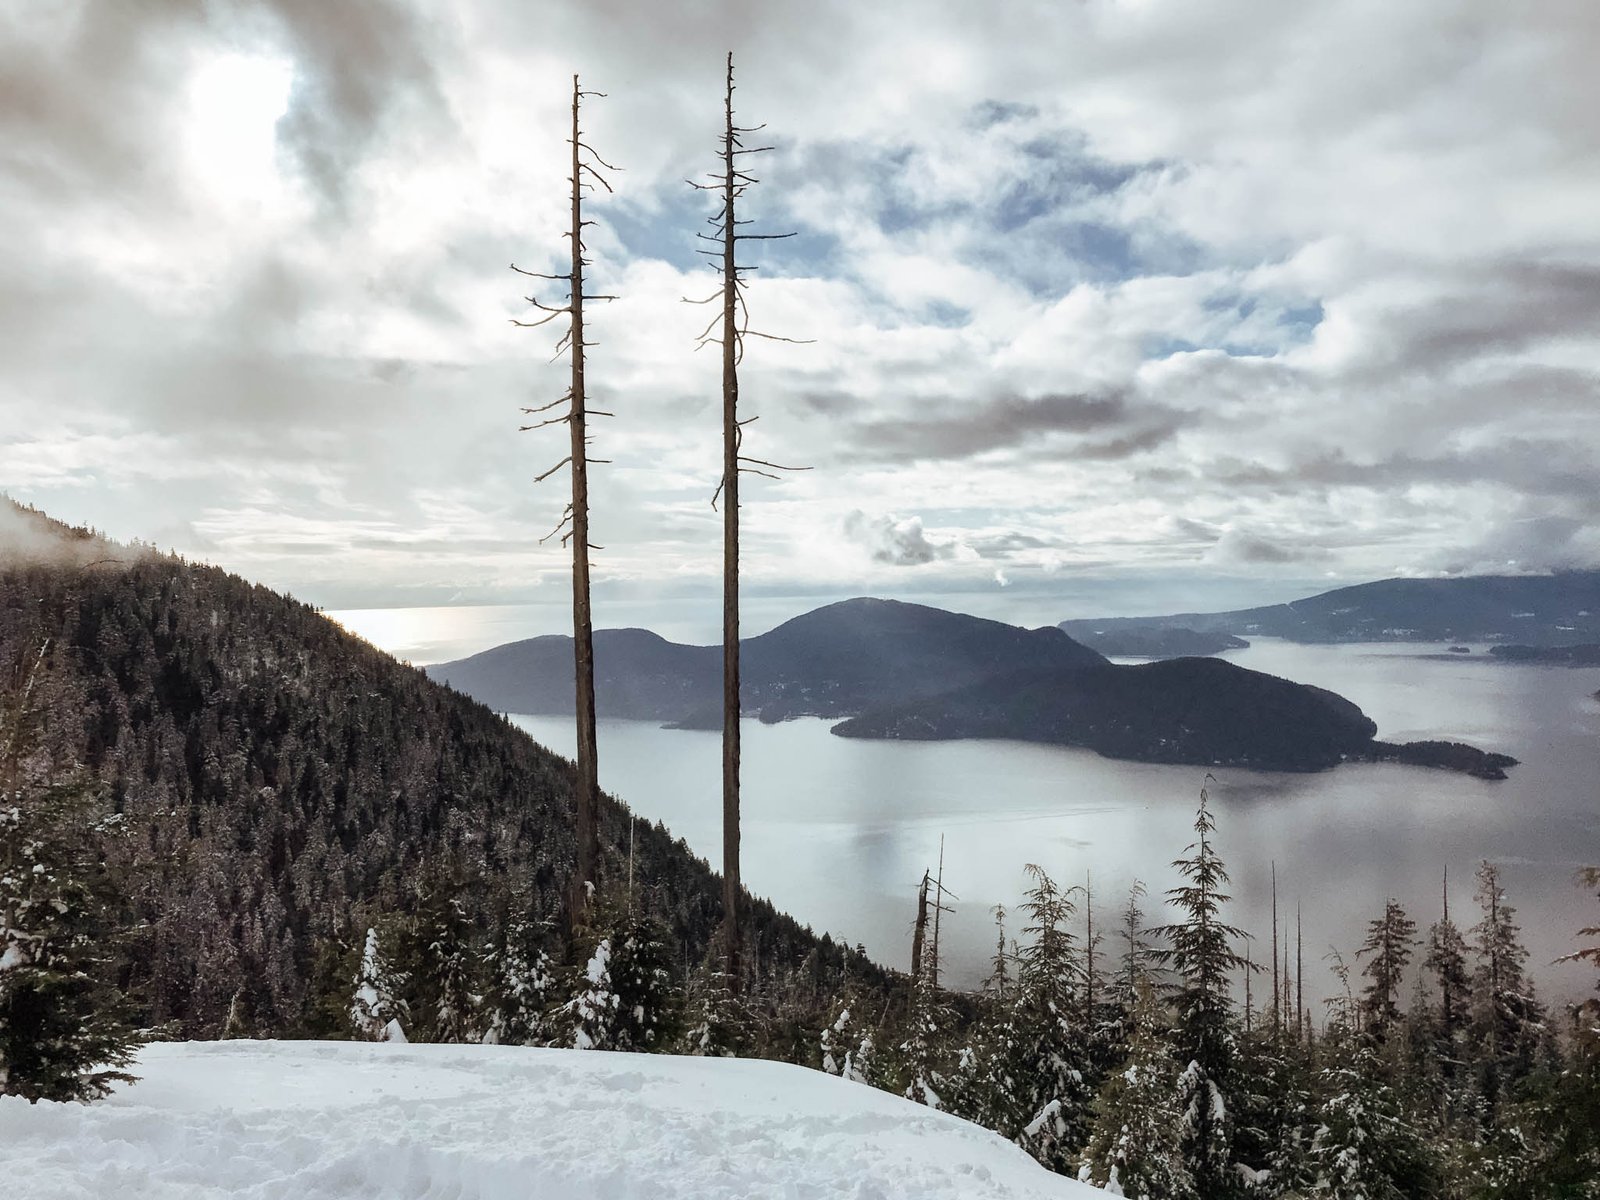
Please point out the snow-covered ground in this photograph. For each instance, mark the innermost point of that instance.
(317, 1120)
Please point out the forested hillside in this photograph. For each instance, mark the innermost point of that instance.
(282, 785)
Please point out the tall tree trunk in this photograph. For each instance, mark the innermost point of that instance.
(730, 552)
(582, 622)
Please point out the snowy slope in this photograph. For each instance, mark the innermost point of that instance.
(316, 1120)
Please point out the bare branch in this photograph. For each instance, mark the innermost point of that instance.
(552, 470)
(535, 324)
(539, 274)
(772, 337)
(597, 158)
(562, 399)
(596, 176)
(561, 420)
(775, 466)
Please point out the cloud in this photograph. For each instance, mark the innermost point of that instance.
(894, 540)
(954, 429)
(1238, 547)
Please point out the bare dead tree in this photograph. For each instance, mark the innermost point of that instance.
(571, 409)
(1277, 1011)
(729, 329)
(919, 931)
(939, 907)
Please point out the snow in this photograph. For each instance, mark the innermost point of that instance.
(319, 1120)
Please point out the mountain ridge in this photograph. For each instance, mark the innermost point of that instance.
(1561, 608)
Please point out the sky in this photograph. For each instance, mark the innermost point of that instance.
(1131, 306)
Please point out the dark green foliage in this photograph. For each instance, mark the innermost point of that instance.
(520, 989)
(1365, 1146)
(1388, 949)
(64, 1028)
(1507, 1018)
(1136, 1142)
(1200, 951)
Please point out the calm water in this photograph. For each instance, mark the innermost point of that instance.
(838, 831)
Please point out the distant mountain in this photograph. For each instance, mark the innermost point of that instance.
(908, 671)
(831, 662)
(1543, 610)
(1586, 654)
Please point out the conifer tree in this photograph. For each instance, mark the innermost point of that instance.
(1200, 950)
(1364, 1147)
(1040, 1065)
(921, 1044)
(1388, 949)
(646, 1012)
(1135, 1147)
(377, 1011)
(64, 1029)
(1507, 1018)
(1446, 1028)
(520, 990)
(721, 1025)
(573, 528)
(593, 1011)
(449, 969)
(838, 1041)
(729, 329)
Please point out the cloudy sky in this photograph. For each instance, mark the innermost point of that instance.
(1121, 306)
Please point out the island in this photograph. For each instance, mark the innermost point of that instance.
(888, 669)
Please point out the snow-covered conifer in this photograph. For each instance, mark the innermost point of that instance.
(1364, 1148)
(519, 992)
(451, 967)
(720, 1026)
(837, 1042)
(64, 1029)
(377, 1011)
(647, 1006)
(1035, 1067)
(1200, 950)
(921, 1045)
(593, 1011)
(1134, 1149)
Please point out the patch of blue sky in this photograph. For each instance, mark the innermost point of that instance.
(667, 232)
(1276, 330)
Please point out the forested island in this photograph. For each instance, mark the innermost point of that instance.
(909, 671)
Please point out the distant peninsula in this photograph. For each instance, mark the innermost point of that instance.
(1585, 655)
(887, 669)
(1560, 609)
